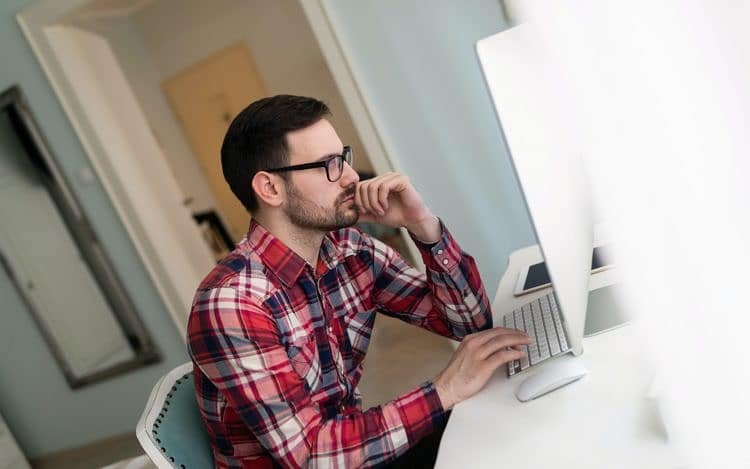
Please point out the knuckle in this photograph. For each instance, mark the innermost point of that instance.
(505, 357)
(469, 342)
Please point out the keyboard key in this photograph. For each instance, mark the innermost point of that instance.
(518, 319)
(534, 354)
(564, 344)
(540, 319)
(525, 360)
(541, 337)
(544, 351)
(549, 326)
(554, 346)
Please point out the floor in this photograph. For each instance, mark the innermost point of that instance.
(400, 358)
(98, 454)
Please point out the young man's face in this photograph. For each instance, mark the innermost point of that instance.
(314, 202)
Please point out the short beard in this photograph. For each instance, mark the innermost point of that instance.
(311, 216)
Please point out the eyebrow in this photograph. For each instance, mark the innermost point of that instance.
(329, 156)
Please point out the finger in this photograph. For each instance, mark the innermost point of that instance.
(509, 329)
(483, 336)
(363, 197)
(372, 195)
(358, 199)
(503, 342)
(385, 190)
(489, 366)
(476, 343)
(503, 357)
(378, 191)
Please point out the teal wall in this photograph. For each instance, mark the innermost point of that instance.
(44, 414)
(421, 76)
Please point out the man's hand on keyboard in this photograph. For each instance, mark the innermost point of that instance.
(475, 360)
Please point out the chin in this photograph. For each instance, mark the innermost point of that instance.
(349, 221)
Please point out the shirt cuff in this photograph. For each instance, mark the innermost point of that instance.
(421, 412)
(444, 255)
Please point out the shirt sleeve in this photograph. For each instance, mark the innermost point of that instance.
(448, 299)
(235, 343)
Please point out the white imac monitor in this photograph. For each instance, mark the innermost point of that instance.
(530, 107)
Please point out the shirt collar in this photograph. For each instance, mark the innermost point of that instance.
(286, 264)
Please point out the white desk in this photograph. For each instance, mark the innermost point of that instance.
(604, 420)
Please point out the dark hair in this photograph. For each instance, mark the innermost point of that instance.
(256, 139)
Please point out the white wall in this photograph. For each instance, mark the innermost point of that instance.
(159, 223)
(180, 33)
(140, 67)
(417, 66)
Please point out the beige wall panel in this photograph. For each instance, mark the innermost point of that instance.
(206, 97)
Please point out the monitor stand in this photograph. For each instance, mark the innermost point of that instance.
(604, 311)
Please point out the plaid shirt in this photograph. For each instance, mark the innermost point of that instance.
(278, 347)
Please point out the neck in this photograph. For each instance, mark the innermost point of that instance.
(304, 242)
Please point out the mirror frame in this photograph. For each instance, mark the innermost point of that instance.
(93, 254)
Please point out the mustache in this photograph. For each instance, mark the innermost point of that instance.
(349, 192)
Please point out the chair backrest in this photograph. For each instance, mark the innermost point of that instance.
(170, 430)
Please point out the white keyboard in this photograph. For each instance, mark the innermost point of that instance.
(541, 320)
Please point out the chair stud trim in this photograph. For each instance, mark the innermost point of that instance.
(158, 417)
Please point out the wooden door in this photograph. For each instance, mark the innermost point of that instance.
(205, 98)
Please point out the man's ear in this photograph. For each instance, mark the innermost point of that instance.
(268, 188)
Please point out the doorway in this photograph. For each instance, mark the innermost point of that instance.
(194, 65)
(205, 98)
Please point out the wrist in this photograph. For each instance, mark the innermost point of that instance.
(427, 230)
(446, 398)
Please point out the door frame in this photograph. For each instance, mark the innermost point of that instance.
(36, 22)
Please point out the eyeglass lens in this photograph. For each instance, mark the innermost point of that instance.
(335, 166)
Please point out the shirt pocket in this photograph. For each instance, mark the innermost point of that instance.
(303, 354)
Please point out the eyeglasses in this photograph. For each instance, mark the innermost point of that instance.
(334, 165)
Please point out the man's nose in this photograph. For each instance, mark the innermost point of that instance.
(349, 176)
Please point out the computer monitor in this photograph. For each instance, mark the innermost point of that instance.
(531, 108)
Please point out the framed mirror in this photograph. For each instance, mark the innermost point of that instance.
(55, 263)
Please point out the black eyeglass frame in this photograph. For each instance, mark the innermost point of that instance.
(346, 156)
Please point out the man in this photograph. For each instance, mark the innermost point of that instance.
(279, 329)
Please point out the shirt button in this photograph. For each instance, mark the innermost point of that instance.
(330, 328)
(445, 261)
(440, 251)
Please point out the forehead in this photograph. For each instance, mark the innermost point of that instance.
(313, 142)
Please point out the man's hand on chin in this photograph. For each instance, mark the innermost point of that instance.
(392, 200)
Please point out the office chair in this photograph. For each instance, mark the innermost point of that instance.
(170, 429)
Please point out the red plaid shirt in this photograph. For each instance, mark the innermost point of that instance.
(278, 347)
